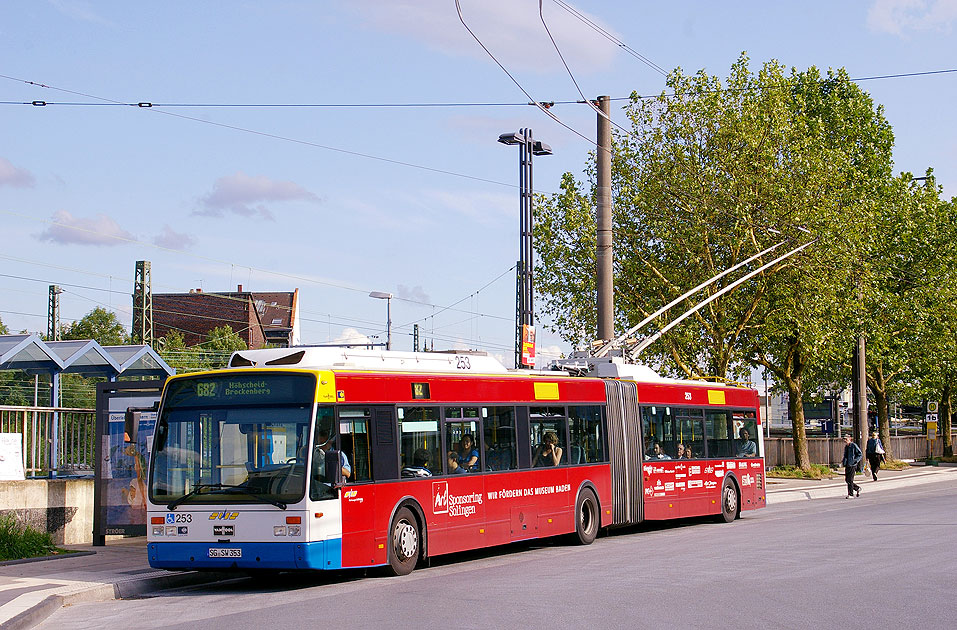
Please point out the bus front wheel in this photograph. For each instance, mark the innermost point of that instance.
(403, 542)
(586, 517)
(729, 502)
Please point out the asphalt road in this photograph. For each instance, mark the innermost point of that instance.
(885, 561)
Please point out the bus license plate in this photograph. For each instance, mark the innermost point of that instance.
(225, 553)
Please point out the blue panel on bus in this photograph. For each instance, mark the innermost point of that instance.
(284, 555)
(324, 554)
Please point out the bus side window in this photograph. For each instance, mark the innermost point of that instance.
(354, 442)
(419, 441)
(500, 447)
(658, 432)
(462, 437)
(548, 436)
(718, 433)
(587, 434)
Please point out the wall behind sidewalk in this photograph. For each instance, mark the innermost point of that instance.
(780, 451)
(63, 507)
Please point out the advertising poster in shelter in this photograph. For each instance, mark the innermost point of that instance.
(11, 457)
(123, 471)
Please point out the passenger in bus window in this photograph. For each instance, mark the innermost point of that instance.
(746, 447)
(454, 468)
(548, 453)
(420, 465)
(468, 455)
(682, 454)
(657, 452)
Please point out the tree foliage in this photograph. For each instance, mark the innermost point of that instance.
(100, 325)
(711, 174)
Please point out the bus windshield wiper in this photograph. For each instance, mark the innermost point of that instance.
(258, 497)
(203, 486)
(223, 487)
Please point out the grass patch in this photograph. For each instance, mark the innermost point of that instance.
(817, 471)
(894, 464)
(18, 542)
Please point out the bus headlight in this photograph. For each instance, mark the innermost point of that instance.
(295, 530)
(279, 530)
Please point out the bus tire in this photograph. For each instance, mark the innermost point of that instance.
(730, 503)
(587, 519)
(404, 542)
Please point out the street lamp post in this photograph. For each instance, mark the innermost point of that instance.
(388, 315)
(524, 306)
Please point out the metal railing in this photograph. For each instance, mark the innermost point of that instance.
(73, 442)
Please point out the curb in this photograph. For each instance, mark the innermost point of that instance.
(107, 592)
(59, 556)
(833, 490)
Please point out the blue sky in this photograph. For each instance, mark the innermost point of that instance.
(340, 201)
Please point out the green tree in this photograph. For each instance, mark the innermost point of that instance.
(100, 325)
(3, 328)
(699, 183)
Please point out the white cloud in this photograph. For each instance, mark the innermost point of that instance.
(351, 336)
(416, 294)
(246, 196)
(81, 11)
(480, 207)
(171, 239)
(900, 16)
(511, 30)
(10, 175)
(99, 230)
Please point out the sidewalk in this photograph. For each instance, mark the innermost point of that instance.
(31, 591)
(785, 490)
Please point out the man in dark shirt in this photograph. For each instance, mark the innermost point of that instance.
(852, 457)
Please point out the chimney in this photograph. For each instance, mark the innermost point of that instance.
(239, 288)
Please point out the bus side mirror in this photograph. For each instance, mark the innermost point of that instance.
(131, 424)
(334, 468)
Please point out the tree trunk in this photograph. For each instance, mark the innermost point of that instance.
(796, 410)
(883, 420)
(878, 386)
(943, 426)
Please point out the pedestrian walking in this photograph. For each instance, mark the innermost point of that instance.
(875, 454)
(852, 457)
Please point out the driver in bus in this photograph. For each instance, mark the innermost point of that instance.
(746, 448)
(323, 444)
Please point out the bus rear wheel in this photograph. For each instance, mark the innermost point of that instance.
(729, 502)
(403, 542)
(586, 517)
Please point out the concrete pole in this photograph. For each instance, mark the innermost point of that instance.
(605, 253)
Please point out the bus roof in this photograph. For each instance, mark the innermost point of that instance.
(329, 358)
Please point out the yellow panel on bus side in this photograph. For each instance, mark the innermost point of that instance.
(715, 397)
(546, 391)
(326, 388)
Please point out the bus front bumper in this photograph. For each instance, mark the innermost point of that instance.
(325, 554)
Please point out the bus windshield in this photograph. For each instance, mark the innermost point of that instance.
(233, 438)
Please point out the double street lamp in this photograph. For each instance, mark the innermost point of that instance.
(524, 307)
(388, 315)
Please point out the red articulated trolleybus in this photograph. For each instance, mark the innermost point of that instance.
(327, 458)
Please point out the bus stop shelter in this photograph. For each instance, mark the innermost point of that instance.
(33, 355)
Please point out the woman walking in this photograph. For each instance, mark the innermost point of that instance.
(875, 454)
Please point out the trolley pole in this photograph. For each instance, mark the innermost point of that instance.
(605, 253)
